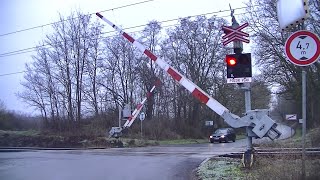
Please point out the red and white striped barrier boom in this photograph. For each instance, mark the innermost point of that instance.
(135, 113)
(197, 92)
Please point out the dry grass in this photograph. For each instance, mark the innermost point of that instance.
(285, 168)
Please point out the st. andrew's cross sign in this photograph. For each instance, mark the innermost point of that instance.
(234, 34)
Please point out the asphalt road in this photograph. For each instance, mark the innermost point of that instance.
(156, 163)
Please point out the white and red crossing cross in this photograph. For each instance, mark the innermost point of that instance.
(234, 34)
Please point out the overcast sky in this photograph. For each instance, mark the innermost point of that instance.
(23, 14)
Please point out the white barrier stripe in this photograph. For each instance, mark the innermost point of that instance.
(131, 122)
(163, 64)
(135, 111)
(152, 88)
(126, 123)
(216, 106)
(187, 84)
(139, 46)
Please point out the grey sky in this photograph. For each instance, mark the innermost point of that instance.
(22, 14)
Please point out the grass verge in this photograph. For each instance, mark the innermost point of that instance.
(284, 167)
(20, 133)
(33, 138)
(221, 168)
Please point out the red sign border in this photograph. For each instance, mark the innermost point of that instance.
(293, 59)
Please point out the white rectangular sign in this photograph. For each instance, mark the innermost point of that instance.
(291, 117)
(239, 80)
(209, 123)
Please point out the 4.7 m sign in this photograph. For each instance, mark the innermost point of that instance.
(303, 48)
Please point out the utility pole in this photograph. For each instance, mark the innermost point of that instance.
(119, 107)
(304, 121)
(304, 115)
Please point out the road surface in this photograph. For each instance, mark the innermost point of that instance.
(174, 162)
(156, 163)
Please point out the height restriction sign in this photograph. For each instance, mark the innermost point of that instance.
(303, 48)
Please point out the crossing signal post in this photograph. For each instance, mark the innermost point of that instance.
(239, 68)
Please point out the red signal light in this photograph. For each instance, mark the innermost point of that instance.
(238, 65)
(231, 61)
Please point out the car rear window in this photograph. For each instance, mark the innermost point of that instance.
(221, 131)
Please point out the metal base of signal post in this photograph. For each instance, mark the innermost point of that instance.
(248, 155)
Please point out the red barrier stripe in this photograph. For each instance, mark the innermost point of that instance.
(157, 83)
(139, 106)
(199, 95)
(128, 37)
(150, 55)
(149, 94)
(174, 74)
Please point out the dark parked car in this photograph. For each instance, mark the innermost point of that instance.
(223, 134)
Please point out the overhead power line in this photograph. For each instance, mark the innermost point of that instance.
(30, 49)
(41, 26)
(8, 74)
(13, 73)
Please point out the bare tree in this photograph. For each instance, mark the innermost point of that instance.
(118, 69)
(194, 49)
(148, 74)
(34, 95)
(55, 80)
(92, 89)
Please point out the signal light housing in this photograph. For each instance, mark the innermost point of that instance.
(239, 65)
